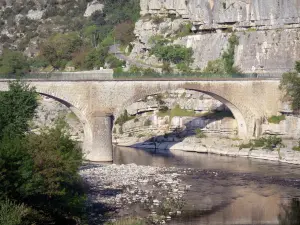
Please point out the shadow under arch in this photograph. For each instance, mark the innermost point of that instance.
(242, 126)
(83, 120)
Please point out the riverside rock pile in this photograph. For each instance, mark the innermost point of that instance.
(158, 192)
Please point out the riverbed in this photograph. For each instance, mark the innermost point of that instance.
(213, 189)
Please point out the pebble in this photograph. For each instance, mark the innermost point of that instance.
(124, 185)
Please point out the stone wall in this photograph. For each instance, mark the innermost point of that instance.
(268, 30)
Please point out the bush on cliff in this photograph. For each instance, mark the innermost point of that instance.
(225, 64)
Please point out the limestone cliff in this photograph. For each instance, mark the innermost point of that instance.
(268, 30)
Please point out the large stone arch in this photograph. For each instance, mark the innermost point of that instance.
(86, 147)
(242, 125)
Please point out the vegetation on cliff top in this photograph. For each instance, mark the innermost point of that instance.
(86, 46)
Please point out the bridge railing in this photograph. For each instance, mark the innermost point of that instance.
(108, 75)
(68, 76)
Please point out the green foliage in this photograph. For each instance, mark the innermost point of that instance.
(95, 58)
(297, 66)
(270, 143)
(290, 83)
(172, 53)
(37, 172)
(183, 67)
(58, 49)
(297, 148)
(123, 118)
(276, 119)
(13, 63)
(17, 107)
(38, 63)
(200, 133)
(185, 30)
(11, 213)
(114, 62)
(123, 32)
(226, 62)
(215, 67)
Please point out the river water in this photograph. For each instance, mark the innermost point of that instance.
(225, 190)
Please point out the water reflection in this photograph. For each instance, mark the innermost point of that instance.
(227, 190)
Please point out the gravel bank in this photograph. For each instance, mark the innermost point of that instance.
(156, 193)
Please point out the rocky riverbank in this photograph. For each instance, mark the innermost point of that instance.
(130, 190)
(220, 146)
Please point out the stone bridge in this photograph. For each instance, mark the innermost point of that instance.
(97, 102)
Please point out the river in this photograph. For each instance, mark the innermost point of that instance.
(225, 190)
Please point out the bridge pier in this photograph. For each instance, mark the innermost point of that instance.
(99, 146)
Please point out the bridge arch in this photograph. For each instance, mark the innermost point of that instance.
(85, 123)
(242, 125)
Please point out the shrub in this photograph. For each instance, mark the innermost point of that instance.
(13, 63)
(184, 30)
(58, 49)
(11, 213)
(114, 62)
(276, 119)
(172, 53)
(200, 133)
(123, 118)
(269, 143)
(224, 65)
(123, 32)
(297, 66)
(157, 20)
(290, 84)
(297, 148)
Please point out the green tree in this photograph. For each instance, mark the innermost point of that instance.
(123, 32)
(58, 49)
(172, 53)
(17, 107)
(290, 83)
(297, 66)
(38, 172)
(13, 62)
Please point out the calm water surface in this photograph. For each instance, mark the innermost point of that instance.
(225, 190)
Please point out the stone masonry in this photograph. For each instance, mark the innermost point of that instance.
(96, 102)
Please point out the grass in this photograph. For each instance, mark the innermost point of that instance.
(200, 133)
(177, 111)
(297, 148)
(276, 119)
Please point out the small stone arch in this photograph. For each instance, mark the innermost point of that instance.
(242, 125)
(85, 123)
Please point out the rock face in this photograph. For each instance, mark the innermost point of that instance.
(268, 30)
(49, 112)
(288, 128)
(188, 111)
(93, 7)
